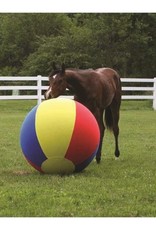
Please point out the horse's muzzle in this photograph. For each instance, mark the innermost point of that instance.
(47, 94)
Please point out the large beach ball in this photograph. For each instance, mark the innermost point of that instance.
(59, 136)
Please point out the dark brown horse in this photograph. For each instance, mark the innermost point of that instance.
(99, 90)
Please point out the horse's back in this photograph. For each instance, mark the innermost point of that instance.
(109, 75)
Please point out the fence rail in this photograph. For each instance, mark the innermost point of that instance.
(16, 84)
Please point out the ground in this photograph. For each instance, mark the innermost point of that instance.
(115, 188)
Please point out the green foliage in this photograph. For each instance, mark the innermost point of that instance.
(16, 37)
(29, 43)
(115, 188)
(70, 49)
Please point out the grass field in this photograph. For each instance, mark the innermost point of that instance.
(115, 188)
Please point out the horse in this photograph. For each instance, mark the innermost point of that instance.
(99, 90)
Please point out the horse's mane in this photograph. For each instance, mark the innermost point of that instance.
(79, 70)
(54, 72)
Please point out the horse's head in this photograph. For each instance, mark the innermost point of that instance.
(57, 83)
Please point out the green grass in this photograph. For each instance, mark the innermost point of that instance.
(124, 187)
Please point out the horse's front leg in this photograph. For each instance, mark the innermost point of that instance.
(99, 117)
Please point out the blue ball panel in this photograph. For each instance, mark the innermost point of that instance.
(84, 164)
(29, 142)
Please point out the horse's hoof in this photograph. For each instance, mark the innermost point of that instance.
(98, 160)
(117, 153)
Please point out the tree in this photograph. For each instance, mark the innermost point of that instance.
(29, 43)
(70, 48)
(19, 34)
(16, 39)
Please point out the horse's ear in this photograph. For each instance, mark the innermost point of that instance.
(63, 68)
(54, 66)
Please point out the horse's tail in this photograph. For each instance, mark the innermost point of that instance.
(108, 118)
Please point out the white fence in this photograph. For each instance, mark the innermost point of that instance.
(26, 85)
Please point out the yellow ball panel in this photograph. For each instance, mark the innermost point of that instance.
(55, 121)
(58, 165)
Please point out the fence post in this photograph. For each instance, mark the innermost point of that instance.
(154, 94)
(39, 89)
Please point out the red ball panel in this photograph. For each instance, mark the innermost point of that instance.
(85, 137)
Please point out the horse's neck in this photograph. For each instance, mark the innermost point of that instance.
(75, 82)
